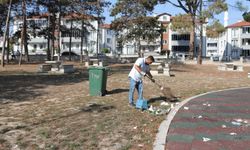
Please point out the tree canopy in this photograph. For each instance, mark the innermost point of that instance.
(215, 29)
(132, 21)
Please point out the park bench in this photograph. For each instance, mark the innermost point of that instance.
(55, 67)
(222, 67)
(160, 69)
(239, 67)
(93, 62)
(44, 68)
(66, 69)
(230, 67)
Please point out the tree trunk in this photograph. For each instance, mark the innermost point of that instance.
(82, 32)
(21, 53)
(70, 38)
(161, 39)
(98, 29)
(25, 43)
(139, 48)
(53, 35)
(5, 33)
(192, 39)
(59, 35)
(8, 49)
(48, 40)
(201, 36)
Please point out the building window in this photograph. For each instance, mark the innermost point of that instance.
(165, 18)
(211, 44)
(41, 46)
(180, 48)
(35, 46)
(109, 32)
(246, 30)
(108, 40)
(234, 43)
(177, 37)
(234, 32)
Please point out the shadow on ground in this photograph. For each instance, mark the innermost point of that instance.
(16, 88)
(161, 98)
(97, 108)
(116, 91)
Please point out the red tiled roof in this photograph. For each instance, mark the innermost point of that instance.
(239, 24)
(106, 26)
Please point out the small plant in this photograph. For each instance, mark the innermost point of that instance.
(44, 133)
(33, 50)
(105, 50)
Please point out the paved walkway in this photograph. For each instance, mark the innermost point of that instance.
(213, 121)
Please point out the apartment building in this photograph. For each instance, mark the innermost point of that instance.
(232, 43)
(158, 45)
(175, 42)
(38, 45)
(212, 47)
(108, 39)
(239, 39)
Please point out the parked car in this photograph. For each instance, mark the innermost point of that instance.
(215, 58)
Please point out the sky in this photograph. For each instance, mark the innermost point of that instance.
(234, 14)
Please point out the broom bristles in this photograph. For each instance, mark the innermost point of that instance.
(168, 93)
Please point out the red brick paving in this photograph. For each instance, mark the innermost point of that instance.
(224, 105)
(178, 145)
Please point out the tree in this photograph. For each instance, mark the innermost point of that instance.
(240, 6)
(24, 42)
(191, 7)
(6, 32)
(76, 10)
(132, 22)
(215, 29)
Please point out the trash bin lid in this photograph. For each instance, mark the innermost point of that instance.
(98, 68)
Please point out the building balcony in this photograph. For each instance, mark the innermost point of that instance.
(180, 43)
(246, 47)
(38, 40)
(74, 40)
(212, 48)
(245, 35)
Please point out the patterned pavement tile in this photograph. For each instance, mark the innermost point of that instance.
(178, 146)
(215, 121)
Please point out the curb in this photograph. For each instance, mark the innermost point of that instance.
(161, 136)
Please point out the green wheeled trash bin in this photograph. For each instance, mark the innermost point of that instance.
(98, 80)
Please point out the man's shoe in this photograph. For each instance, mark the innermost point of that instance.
(131, 104)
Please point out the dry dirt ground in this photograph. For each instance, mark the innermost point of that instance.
(39, 111)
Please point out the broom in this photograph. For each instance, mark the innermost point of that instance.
(165, 90)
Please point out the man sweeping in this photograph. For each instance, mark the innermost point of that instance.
(140, 69)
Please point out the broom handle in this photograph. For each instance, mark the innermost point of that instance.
(153, 81)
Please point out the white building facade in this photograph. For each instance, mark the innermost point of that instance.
(234, 42)
(38, 45)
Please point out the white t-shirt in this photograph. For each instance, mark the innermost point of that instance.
(134, 74)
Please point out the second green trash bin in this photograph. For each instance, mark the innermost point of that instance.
(97, 80)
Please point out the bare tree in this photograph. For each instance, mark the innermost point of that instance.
(6, 32)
